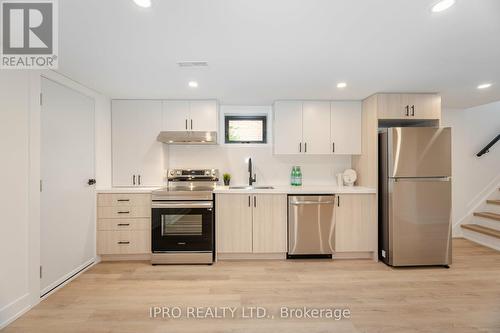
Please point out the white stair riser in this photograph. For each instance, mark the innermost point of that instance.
(492, 208)
(493, 224)
(479, 238)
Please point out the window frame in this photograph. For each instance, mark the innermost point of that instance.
(228, 118)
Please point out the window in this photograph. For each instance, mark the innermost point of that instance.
(245, 129)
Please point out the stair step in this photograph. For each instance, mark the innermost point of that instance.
(493, 202)
(482, 230)
(488, 215)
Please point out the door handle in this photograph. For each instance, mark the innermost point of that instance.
(133, 179)
(407, 110)
(413, 110)
(91, 182)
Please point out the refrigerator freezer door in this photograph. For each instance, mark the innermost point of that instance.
(419, 222)
(419, 152)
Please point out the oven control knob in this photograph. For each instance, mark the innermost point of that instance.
(207, 172)
(178, 172)
(171, 172)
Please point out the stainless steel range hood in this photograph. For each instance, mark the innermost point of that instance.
(188, 138)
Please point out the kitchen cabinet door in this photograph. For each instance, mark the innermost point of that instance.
(390, 107)
(423, 106)
(345, 128)
(316, 128)
(233, 223)
(137, 156)
(288, 127)
(175, 116)
(203, 116)
(355, 223)
(269, 223)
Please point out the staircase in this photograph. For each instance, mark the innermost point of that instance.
(484, 227)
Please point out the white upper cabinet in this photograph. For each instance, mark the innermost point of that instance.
(137, 155)
(200, 115)
(345, 128)
(287, 127)
(316, 128)
(203, 116)
(175, 115)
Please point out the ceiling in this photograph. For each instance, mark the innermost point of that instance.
(262, 50)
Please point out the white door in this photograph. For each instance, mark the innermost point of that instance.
(67, 212)
(176, 116)
(137, 155)
(203, 116)
(288, 127)
(316, 128)
(346, 128)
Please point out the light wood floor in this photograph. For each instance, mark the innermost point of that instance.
(116, 297)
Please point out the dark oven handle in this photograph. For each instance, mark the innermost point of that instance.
(183, 204)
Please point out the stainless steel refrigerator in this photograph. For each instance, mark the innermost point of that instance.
(415, 196)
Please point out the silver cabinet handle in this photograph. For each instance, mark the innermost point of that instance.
(180, 204)
(296, 203)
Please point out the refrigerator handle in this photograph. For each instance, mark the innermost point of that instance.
(422, 179)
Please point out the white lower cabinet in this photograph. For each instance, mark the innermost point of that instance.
(356, 223)
(251, 223)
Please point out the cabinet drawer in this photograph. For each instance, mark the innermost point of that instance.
(124, 242)
(124, 224)
(120, 212)
(123, 199)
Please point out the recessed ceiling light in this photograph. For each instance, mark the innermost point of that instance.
(484, 86)
(193, 84)
(143, 3)
(341, 85)
(442, 5)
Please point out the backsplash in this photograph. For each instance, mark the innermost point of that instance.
(270, 169)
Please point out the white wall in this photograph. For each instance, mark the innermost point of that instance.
(16, 104)
(473, 178)
(270, 169)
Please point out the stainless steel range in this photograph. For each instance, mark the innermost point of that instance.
(183, 218)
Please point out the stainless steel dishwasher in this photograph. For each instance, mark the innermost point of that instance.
(311, 226)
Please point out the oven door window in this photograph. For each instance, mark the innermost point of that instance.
(181, 225)
(182, 229)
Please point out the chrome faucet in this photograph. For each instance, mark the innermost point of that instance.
(251, 179)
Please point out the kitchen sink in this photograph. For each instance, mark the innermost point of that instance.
(251, 187)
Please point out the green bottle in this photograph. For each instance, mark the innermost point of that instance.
(293, 176)
(299, 177)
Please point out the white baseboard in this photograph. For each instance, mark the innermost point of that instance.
(14, 310)
(67, 278)
(491, 242)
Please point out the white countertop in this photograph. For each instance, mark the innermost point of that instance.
(283, 189)
(126, 189)
(305, 189)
